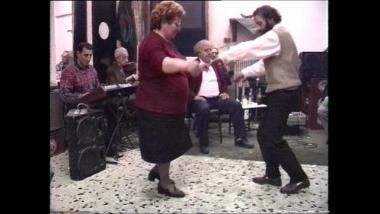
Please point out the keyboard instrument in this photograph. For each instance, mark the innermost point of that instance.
(109, 91)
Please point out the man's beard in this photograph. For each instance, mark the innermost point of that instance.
(267, 28)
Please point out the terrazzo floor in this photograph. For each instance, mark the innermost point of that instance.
(212, 185)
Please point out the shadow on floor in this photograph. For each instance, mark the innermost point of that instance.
(308, 145)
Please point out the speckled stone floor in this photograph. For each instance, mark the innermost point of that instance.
(212, 185)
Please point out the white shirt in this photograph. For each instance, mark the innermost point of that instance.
(264, 46)
(209, 85)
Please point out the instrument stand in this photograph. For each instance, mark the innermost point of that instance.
(119, 116)
(127, 138)
(127, 141)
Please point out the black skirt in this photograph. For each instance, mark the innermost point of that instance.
(162, 138)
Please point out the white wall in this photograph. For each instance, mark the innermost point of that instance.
(307, 21)
(61, 37)
(52, 45)
(63, 28)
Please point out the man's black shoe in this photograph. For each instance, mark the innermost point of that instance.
(243, 143)
(111, 160)
(293, 188)
(121, 149)
(268, 180)
(204, 149)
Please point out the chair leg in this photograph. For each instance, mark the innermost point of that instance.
(220, 128)
(229, 124)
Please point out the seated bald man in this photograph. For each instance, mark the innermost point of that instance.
(121, 71)
(209, 91)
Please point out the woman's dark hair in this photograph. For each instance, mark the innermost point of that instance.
(165, 12)
(268, 12)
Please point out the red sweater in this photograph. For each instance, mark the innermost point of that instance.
(159, 92)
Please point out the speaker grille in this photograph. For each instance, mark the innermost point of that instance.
(86, 159)
(87, 130)
(86, 138)
(313, 65)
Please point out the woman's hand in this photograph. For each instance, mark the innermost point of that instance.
(224, 96)
(203, 66)
(199, 98)
(194, 68)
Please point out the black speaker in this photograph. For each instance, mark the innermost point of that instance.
(86, 138)
(313, 65)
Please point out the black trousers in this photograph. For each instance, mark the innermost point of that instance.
(202, 116)
(275, 150)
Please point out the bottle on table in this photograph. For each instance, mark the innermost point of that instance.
(259, 96)
(250, 96)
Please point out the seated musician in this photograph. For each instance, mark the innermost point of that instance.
(121, 71)
(209, 91)
(78, 80)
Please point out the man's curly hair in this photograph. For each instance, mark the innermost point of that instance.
(268, 12)
(165, 12)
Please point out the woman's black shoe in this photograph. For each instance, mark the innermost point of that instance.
(176, 192)
(154, 175)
